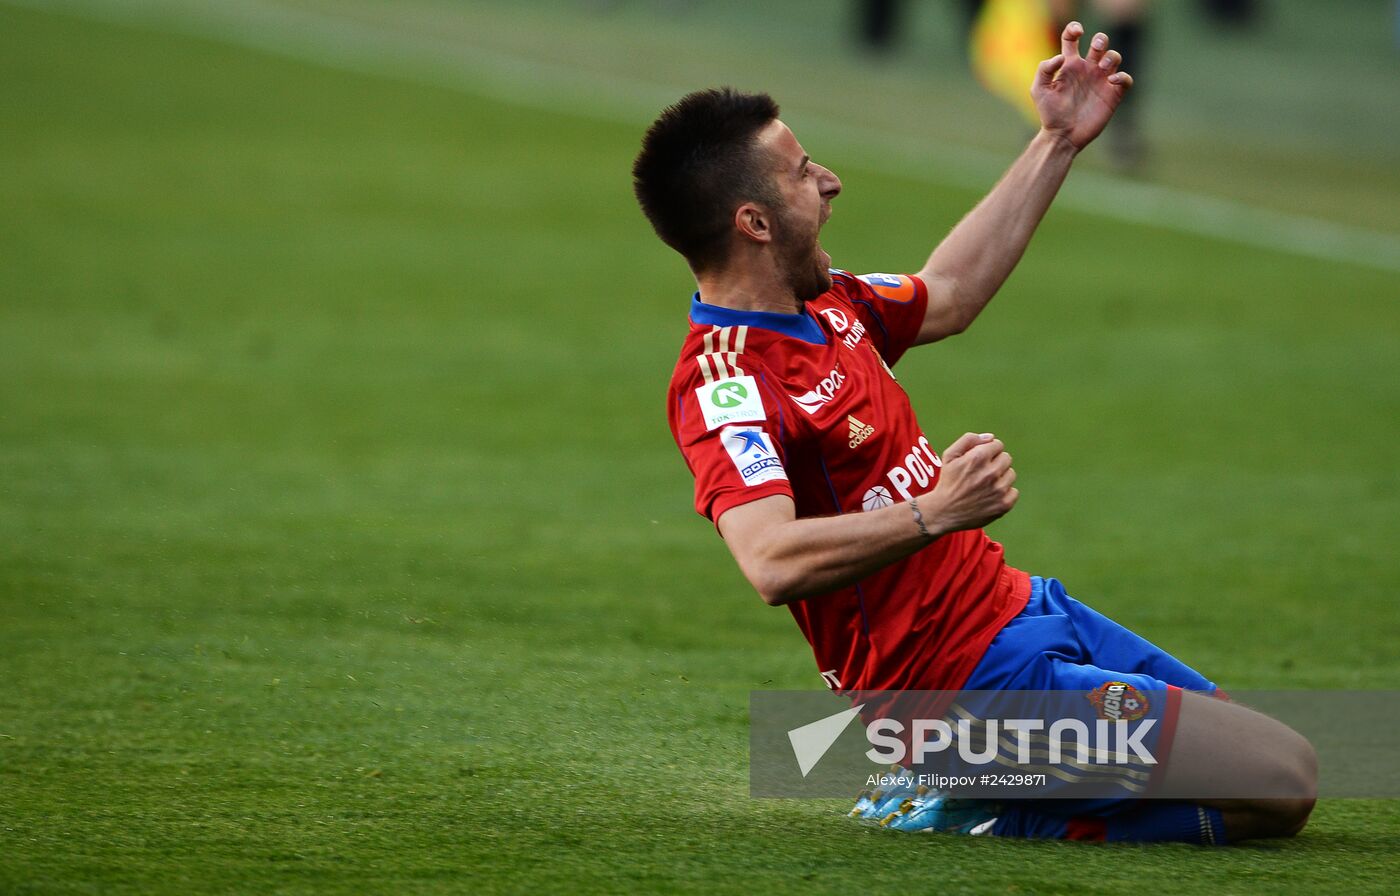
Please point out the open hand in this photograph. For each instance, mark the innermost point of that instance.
(1076, 95)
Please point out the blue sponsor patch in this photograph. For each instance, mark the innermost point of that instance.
(892, 281)
(753, 455)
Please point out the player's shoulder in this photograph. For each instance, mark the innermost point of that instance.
(711, 389)
(723, 342)
(726, 371)
(711, 353)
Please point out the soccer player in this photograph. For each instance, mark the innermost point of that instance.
(809, 460)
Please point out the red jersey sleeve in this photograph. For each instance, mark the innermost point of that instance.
(891, 306)
(730, 431)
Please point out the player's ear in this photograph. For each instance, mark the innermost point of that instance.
(752, 222)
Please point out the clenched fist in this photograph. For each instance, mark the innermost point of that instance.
(977, 484)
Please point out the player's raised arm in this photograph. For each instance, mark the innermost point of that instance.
(1075, 96)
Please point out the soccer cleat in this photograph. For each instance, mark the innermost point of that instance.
(865, 804)
(895, 799)
(910, 809)
(902, 811)
(943, 814)
(906, 807)
(875, 805)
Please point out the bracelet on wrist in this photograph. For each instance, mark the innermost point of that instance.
(919, 518)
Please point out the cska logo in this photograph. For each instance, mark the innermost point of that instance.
(1118, 701)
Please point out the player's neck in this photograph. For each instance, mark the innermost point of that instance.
(748, 290)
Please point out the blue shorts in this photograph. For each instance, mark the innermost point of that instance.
(1058, 644)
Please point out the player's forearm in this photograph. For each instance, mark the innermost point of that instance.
(788, 559)
(809, 557)
(974, 260)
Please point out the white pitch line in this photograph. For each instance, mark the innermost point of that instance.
(339, 43)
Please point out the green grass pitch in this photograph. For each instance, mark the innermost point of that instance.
(343, 547)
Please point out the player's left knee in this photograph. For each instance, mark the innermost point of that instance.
(1305, 760)
(1293, 782)
(1309, 762)
(1291, 775)
(1289, 817)
(1268, 818)
(1301, 813)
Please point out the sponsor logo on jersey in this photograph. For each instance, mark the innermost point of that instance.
(1118, 701)
(875, 498)
(859, 431)
(753, 454)
(853, 330)
(730, 400)
(852, 339)
(891, 286)
(919, 469)
(837, 318)
(815, 399)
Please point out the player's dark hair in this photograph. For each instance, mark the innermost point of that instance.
(700, 161)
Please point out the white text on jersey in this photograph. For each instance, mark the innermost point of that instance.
(920, 468)
(815, 399)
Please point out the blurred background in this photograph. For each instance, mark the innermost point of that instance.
(1251, 99)
(340, 527)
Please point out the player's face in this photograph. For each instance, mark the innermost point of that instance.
(807, 190)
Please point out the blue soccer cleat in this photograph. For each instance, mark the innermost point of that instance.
(904, 806)
(875, 805)
(865, 804)
(939, 813)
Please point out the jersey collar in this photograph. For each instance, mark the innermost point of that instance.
(799, 326)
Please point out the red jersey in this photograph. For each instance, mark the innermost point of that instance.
(805, 405)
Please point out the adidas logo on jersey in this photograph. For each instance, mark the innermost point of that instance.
(859, 431)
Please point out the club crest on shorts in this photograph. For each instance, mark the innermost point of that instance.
(1118, 701)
